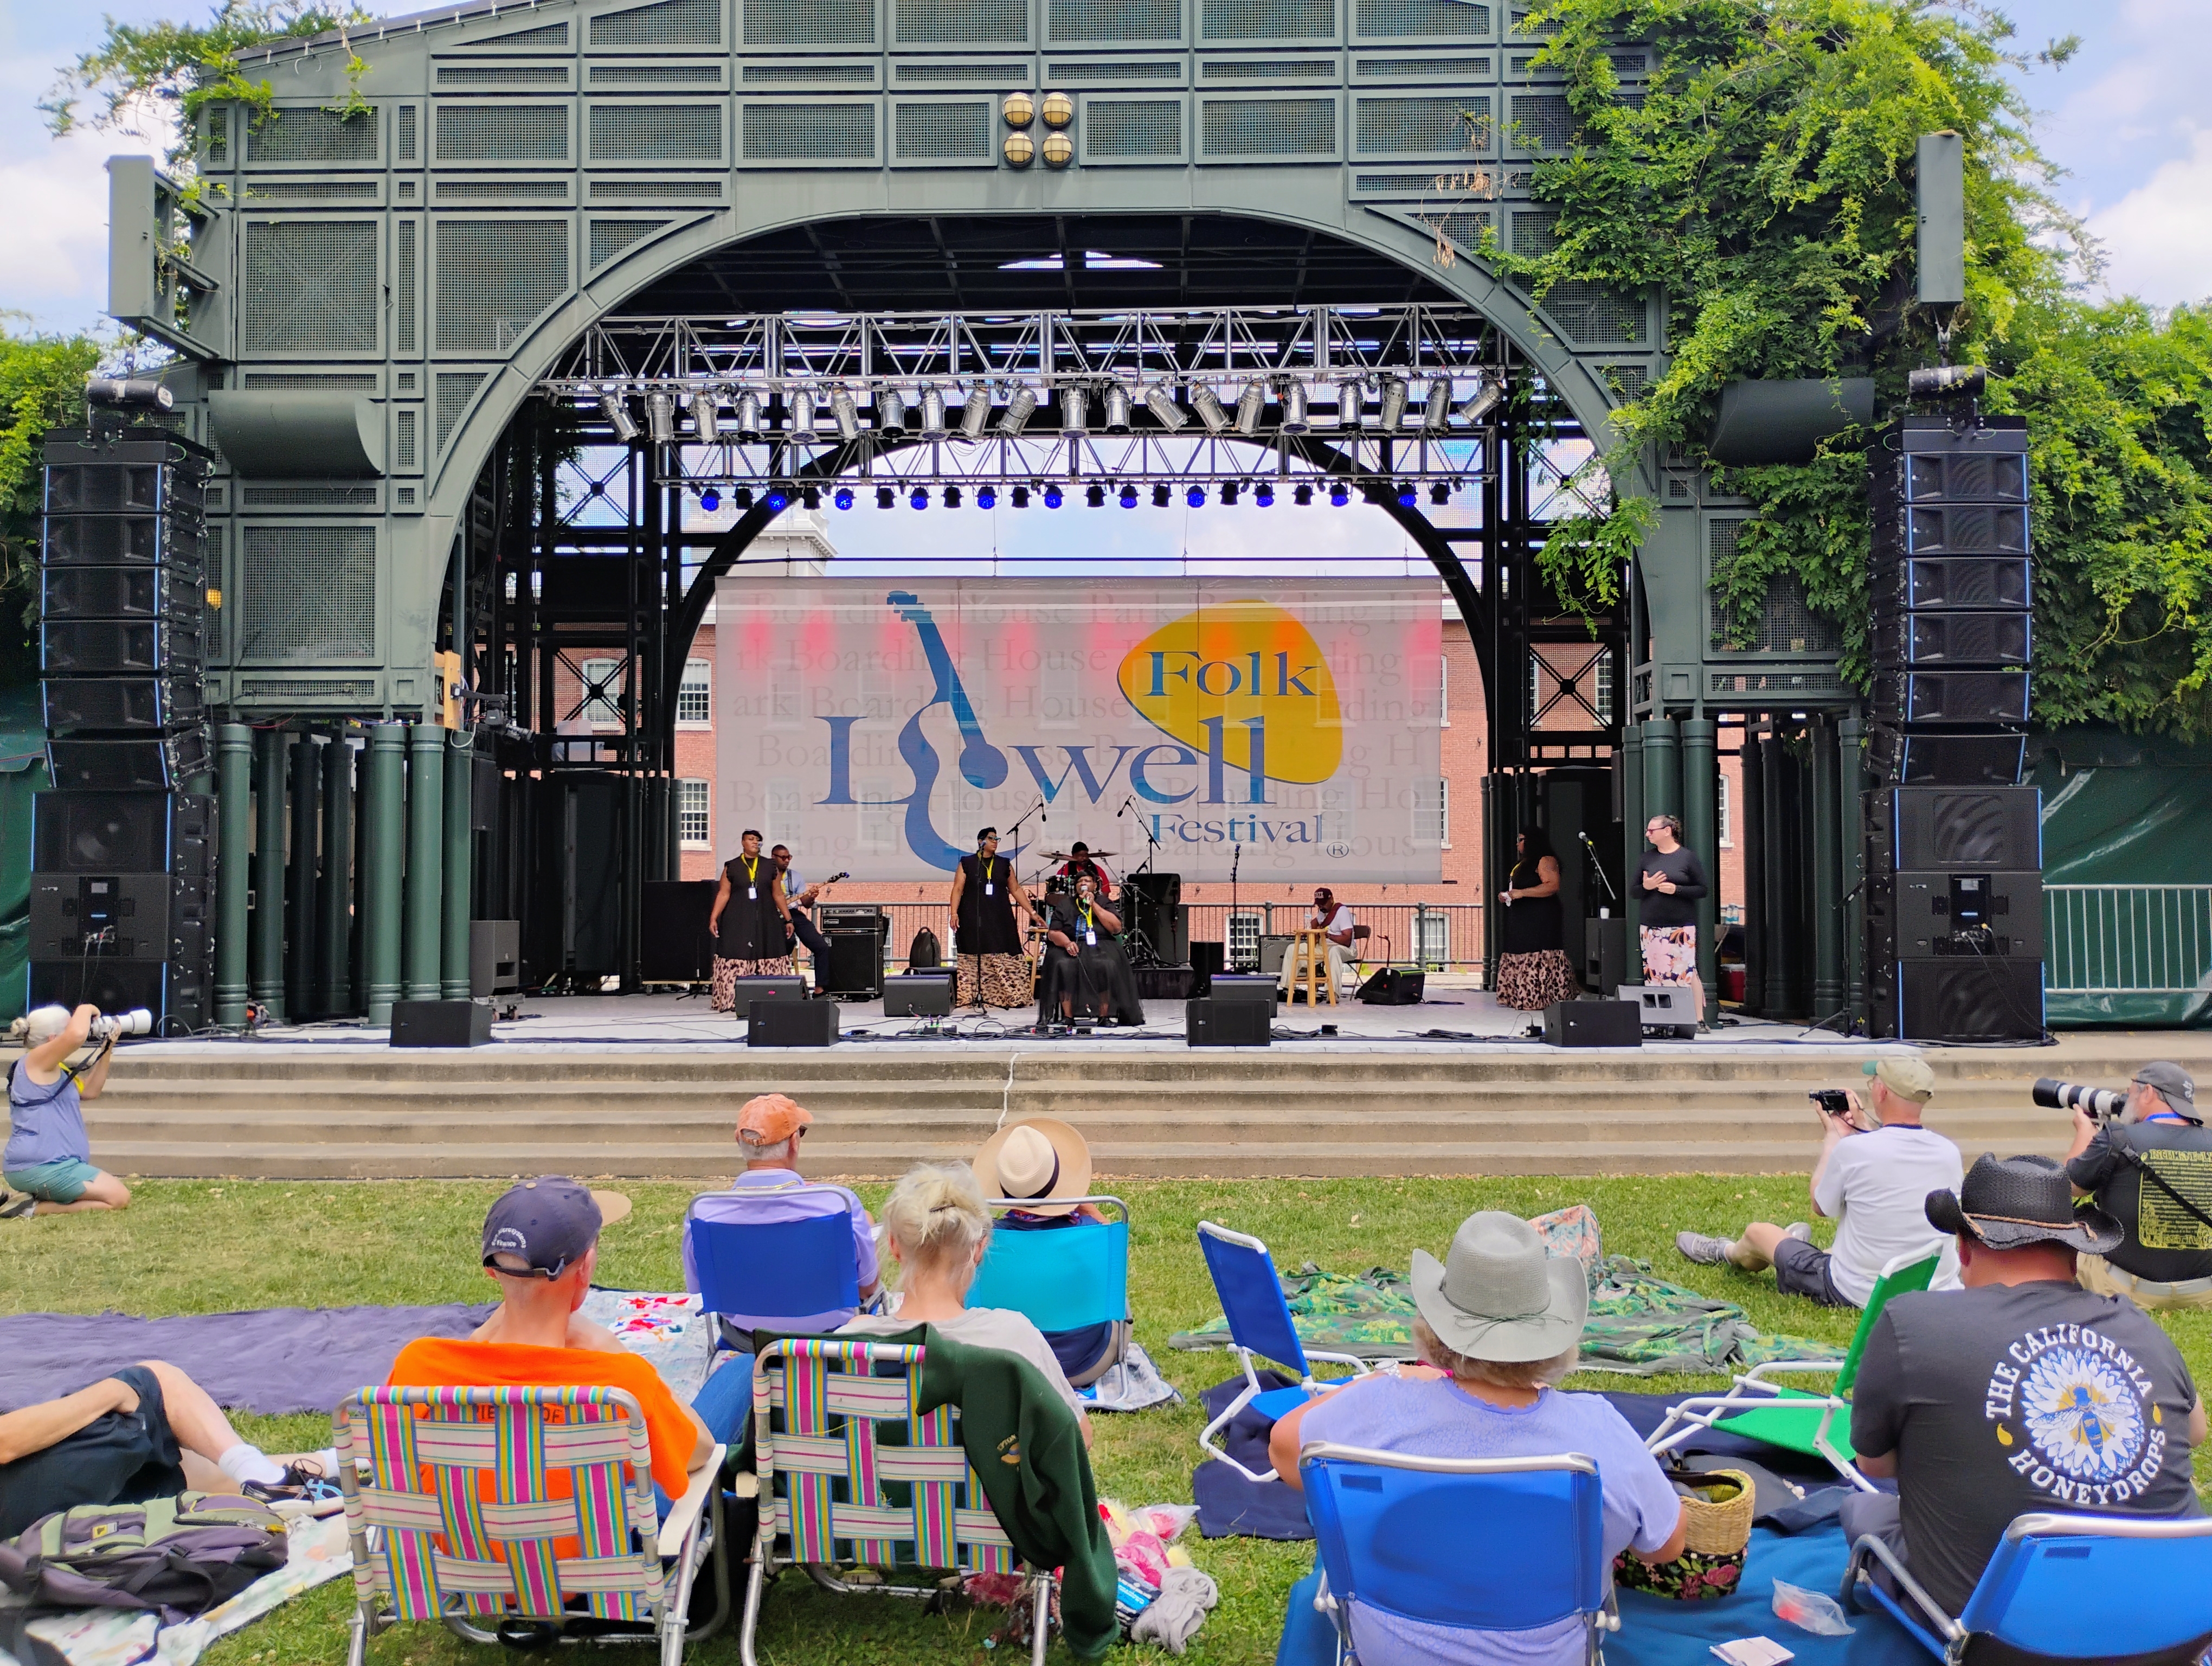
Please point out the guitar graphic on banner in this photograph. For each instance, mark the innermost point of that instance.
(982, 765)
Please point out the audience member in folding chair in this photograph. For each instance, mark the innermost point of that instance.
(428, 1545)
(1793, 1418)
(1055, 1256)
(817, 1405)
(1260, 1327)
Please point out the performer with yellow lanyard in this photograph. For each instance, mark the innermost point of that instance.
(988, 964)
(748, 923)
(1085, 975)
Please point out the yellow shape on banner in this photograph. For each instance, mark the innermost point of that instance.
(1230, 670)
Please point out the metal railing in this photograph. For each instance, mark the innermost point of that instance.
(2127, 939)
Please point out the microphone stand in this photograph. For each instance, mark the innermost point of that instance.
(1236, 857)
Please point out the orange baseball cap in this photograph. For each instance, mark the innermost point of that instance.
(772, 1118)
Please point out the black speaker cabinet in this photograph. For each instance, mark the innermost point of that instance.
(153, 765)
(1970, 583)
(1973, 698)
(123, 832)
(166, 591)
(132, 473)
(1593, 1024)
(440, 1024)
(1944, 827)
(166, 701)
(673, 942)
(854, 965)
(180, 993)
(125, 541)
(918, 995)
(131, 916)
(1243, 985)
(1946, 640)
(789, 1023)
(1919, 915)
(1207, 962)
(1965, 759)
(107, 647)
(1958, 999)
(767, 991)
(1212, 1023)
(1394, 986)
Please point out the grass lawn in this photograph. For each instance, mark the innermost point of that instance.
(197, 1247)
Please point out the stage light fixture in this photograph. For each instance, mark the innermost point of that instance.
(976, 412)
(1339, 495)
(885, 497)
(710, 500)
(1128, 495)
(843, 500)
(706, 418)
(1436, 416)
(1407, 497)
(810, 497)
(953, 497)
(1229, 494)
(932, 412)
(748, 414)
(1073, 418)
(1208, 407)
(1195, 497)
(618, 417)
(1117, 408)
(1162, 405)
(1394, 404)
(661, 417)
(778, 499)
(1350, 404)
(985, 498)
(1248, 405)
(1264, 495)
(1052, 500)
(1487, 393)
(801, 405)
(890, 409)
(1440, 495)
(920, 500)
(846, 410)
(743, 499)
(1021, 406)
(1094, 496)
(1021, 497)
(1295, 415)
(1058, 150)
(1162, 497)
(1302, 495)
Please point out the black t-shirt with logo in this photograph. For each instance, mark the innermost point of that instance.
(2014, 1398)
(2165, 1241)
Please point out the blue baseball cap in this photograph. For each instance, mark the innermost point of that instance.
(544, 1227)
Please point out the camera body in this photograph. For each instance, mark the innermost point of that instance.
(2104, 1104)
(111, 1025)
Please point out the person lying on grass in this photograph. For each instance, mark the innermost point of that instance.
(1498, 1323)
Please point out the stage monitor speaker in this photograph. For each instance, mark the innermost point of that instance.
(1949, 583)
(167, 701)
(1919, 915)
(789, 1023)
(1962, 759)
(1944, 640)
(1956, 999)
(918, 995)
(440, 1024)
(1974, 698)
(1211, 1023)
(124, 917)
(748, 991)
(180, 993)
(150, 832)
(107, 648)
(1976, 827)
(674, 944)
(1665, 1010)
(1604, 953)
(1237, 985)
(495, 956)
(171, 592)
(1207, 962)
(854, 965)
(155, 763)
(1394, 986)
(1593, 1024)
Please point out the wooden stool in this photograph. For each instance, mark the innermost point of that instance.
(1314, 945)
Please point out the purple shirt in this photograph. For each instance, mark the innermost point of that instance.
(767, 1209)
(1435, 1418)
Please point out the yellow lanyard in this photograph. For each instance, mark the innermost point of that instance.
(1086, 917)
(752, 868)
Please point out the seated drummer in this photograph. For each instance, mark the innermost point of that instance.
(1029, 1164)
(1080, 862)
(1084, 975)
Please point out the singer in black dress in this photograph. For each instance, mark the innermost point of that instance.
(747, 924)
(1084, 974)
(988, 965)
(1533, 968)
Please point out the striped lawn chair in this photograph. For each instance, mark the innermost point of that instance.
(851, 1471)
(428, 1545)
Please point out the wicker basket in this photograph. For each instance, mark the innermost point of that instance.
(1717, 1523)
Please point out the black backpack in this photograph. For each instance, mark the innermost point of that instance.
(923, 954)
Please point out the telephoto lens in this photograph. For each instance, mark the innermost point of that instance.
(136, 1022)
(2099, 1102)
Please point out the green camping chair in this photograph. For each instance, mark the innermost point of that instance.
(1794, 1418)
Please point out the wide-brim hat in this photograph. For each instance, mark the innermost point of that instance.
(1497, 1295)
(1026, 1176)
(2008, 1202)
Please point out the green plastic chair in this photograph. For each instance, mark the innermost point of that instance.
(1795, 1419)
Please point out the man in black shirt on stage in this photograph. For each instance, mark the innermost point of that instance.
(2152, 1171)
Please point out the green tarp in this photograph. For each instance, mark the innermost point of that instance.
(22, 772)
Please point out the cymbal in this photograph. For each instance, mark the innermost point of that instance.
(1069, 855)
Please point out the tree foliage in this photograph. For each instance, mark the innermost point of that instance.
(41, 387)
(1764, 182)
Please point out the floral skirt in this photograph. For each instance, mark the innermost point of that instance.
(1007, 980)
(1530, 983)
(1670, 953)
(723, 991)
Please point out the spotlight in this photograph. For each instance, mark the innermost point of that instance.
(1394, 404)
(1058, 150)
(1294, 408)
(885, 497)
(1021, 497)
(890, 409)
(706, 418)
(1302, 495)
(920, 500)
(1338, 496)
(1162, 405)
(1162, 497)
(1487, 393)
(1021, 406)
(1947, 381)
(1407, 497)
(843, 500)
(1229, 494)
(953, 497)
(1350, 404)
(976, 412)
(778, 499)
(1195, 497)
(802, 412)
(810, 497)
(1117, 408)
(1072, 420)
(846, 410)
(618, 416)
(1096, 497)
(1128, 495)
(744, 499)
(985, 498)
(932, 413)
(749, 414)
(710, 500)
(1202, 401)
(1248, 404)
(1264, 496)
(661, 418)
(1052, 497)
(1436, 416)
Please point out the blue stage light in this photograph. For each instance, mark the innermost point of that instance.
(1264, 496)
(710, 500)
(1337, 495)
(1129, 497)
(778, 500)
(985, 498)
(843, 500)
(920, 498)
(1407, 497)
(1052, 498)
(1195, 497)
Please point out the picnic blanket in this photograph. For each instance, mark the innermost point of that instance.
(1638, 1323)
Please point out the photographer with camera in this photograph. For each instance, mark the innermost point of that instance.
(49, 1157)
(2146, 1158)
(1873, 1173)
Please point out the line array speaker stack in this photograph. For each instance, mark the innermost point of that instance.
(123, 885)
(1954, 855)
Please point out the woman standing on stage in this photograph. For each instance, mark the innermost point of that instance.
(985, 889)
(1533, 968)
(748, 924)
(1672, 880)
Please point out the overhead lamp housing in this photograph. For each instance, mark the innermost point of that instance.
(616, 409)
(1394, 404)
(890, 409)
(1208, 407)
(801, 406)
(1488, 390)
(661, 417)
(1165, 411)
(1074, 420)
(1094, 496)
(747, 415)
(847, 410)
(1294, 407)
(976, 412)
(1249, 405)
(932, 412)
(1021, 406)
(1435, 415)
(706, 417)
(1118, 406)
(1350, 404)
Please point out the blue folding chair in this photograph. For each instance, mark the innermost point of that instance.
(1475, 1544)
(1260, 1326)
(2113, 1589)
(774, 1270)
(1061, 1278)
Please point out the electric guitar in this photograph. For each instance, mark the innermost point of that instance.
(819, 886)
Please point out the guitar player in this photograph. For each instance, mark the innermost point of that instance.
(798, 898)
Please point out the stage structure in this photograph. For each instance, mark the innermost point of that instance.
(445, 322)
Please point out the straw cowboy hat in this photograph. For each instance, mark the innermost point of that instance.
(2008, 1202)
(1498, 1296)
(1035, 1158)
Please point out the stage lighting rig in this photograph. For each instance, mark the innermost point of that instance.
(846, 411)
(706, 417)
(661, 417)
(1204, 401)
(1249, 405)
(1118, 408)
(1021, 406)
(747, 416)
(618, 417)
(976, 412)
(1162, 405)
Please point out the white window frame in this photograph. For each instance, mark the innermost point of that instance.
(1724, 810)
(1440, 809)
(1443, 689)
(698, 678)
(600, 714)
(705, 810)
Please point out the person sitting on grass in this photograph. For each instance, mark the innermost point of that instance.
(1498, 1323)
(1872, 1174)
(2020, 1392)
(145, 1432)
(49, 1157)
(935, 1229)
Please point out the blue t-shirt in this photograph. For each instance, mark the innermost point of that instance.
(1435, 1418)
(46, 1121)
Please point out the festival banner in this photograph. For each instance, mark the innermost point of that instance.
(875, 725)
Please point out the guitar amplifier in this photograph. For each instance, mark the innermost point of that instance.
(851, 915)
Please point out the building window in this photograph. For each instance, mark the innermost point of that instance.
(1605, 686)
(694, 825)
(1432, 811)
(1443, 690)
(1724, 811)
(603, 692)
(1433, 929)
(695, 695)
